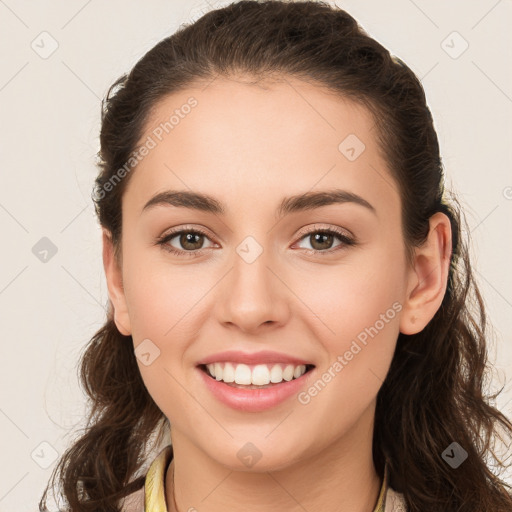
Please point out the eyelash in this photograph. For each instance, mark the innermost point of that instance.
(346, 241)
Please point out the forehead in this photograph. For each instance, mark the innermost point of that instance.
(231, 138)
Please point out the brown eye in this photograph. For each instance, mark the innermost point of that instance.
(189, 242)
(322, 241)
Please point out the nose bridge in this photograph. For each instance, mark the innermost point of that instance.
(250, 268)
(252, 295)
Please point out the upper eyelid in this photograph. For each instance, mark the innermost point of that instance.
(325, 227)
(305, 231)
(186, 229)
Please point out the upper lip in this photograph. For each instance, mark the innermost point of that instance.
(262, 357)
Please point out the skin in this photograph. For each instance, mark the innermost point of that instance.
(249, 146)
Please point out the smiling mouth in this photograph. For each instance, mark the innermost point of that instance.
(307, 369)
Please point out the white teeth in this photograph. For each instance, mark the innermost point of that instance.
(242, 374)
(218, 371)
(276, 374)
(297, 372)
(228, 374)
(258, 375)
(288, 373)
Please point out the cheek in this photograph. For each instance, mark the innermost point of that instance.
(358, 305)
(166, 304)
(360, 311)
(160, 295)
(364, 301)
(360, 288)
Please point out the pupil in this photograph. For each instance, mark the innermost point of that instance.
(322, 235)
(189, 239)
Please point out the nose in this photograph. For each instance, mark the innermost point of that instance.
(253, 295)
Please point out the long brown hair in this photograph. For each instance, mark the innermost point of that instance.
(435, 391)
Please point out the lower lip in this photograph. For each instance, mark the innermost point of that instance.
(254, 400)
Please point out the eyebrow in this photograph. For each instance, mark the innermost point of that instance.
(297, 203)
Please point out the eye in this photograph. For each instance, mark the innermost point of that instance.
(190, 239)
(321, 240)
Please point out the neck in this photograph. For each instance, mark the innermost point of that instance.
(340, 478)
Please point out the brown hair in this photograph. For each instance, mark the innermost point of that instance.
(434, 393)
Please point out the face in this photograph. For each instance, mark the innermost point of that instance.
(322, 285)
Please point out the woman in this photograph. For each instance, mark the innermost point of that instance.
(290, 293)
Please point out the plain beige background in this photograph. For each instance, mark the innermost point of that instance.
(59, 59)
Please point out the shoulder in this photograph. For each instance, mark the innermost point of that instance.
(152, 495)
(395, 502)
(134, 502)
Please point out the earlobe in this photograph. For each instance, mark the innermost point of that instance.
(429, 276)
(116, 294)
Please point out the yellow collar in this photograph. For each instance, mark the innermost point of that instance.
(154, 486)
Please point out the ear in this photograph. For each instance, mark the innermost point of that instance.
(115, 285)
(428, 277)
